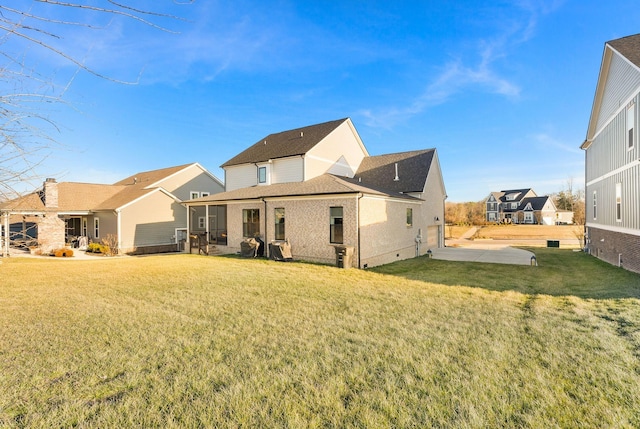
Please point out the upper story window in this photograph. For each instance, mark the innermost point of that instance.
(409, 217)
(262, 174)
(631, 116)
(194, 194)
(595, 205)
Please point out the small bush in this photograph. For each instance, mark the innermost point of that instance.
(98, 248)
(63, 253)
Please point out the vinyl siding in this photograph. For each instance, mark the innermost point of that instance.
(200, 183)
(339, 153)
(151, 221)
(241, 176)
(182, 184)
(606, 200)
(622, 81)
(609, 150)
(287, 170)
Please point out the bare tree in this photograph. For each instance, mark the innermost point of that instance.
(27, 133)
(571, 200)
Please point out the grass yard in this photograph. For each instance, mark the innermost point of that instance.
(193, 341)
(524, 232)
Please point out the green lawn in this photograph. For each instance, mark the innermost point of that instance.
(194, 341)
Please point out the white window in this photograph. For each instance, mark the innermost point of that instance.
(85, 226)
(194, 195)
(202, 224)
(595, 205)
(205, 194)
(262, 174)
(96, 227)
(631, 116)
(618, 202)
(528, 217)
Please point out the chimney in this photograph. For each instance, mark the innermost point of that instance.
(50, 193)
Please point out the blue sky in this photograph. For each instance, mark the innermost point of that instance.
(502, 89)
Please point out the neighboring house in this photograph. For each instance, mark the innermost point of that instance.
(142, 213)
(317, 188)
(503, 206)
(524, 206)
(612, 158)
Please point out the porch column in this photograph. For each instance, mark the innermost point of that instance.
(206, 226)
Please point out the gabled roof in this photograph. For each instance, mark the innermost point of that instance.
(326, 184)
(537, 203)
(286, 143)
(147, 178)
(517, 194)
(84, 197)
(412, 171)
(629, 48)
(72, 197)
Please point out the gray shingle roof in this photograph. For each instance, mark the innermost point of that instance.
(413, 169)
(537, 203)
(327, 184)
(76, 197)
(286, 143)
(629, 47)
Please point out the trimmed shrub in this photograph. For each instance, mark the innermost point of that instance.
(63, 253)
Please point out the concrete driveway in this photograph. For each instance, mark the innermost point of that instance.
(487, 254)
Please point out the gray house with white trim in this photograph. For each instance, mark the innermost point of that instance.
(612, 158)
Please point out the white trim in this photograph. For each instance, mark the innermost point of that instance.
(612, 173)
(119, 229)
(619, 229)
(195, 164)
(152, 191)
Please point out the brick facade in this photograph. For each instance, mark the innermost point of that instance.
(615, 248)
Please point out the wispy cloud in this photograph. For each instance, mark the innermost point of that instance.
(478, 71)
(550, 142)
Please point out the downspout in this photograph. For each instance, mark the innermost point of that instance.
(265, 251)
(360, 195)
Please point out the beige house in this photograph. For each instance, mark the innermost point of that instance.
(142, 213)
(318, 189)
